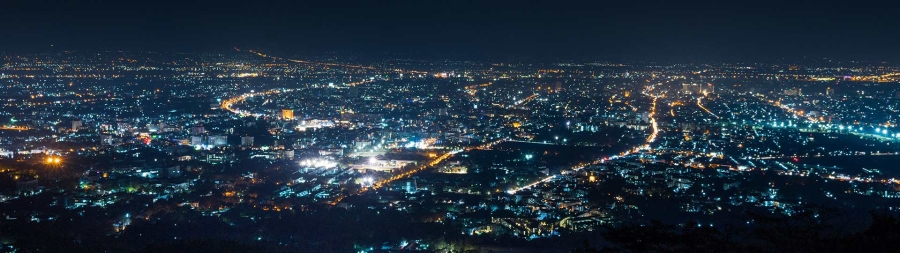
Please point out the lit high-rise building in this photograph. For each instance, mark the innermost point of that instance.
(247, 141)
(199, 129)
(217, 140)
(287, 114)
(691, 88)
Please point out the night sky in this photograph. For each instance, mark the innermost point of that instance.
(638, 30)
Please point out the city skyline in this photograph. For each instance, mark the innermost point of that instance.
(439, 126)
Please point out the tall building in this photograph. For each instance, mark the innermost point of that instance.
(793, 92)
(217, 140)
(411, 186)
(198, 130)
(691, 88)
(288, 154)
(76, 124)
(247, 141)
(287, 114)
(197, 140)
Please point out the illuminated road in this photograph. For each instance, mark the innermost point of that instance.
(434, 162)
(807, 156)
(488, 145)
(699, 99)
(309, 62)
(406, 174)
(229, 102)
(788, 109)
(526, 187)
(524, 101)
(672, 107)
(16, 128)
(646, 145)
(331, 64)
(472, 90)
(539, 143)
(653, 124)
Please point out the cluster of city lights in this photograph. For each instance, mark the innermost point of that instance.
(526, 187)
(367, 181)
(318, 163)
(422, 144)
(652, 137)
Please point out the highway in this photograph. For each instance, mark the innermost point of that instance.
(16, 128)
(807, 156)
(700, 104)
(524, 101)
(646, 145)
(331, 64)
(229, 102)
(788, 109)
(653, 124)
(434, 162)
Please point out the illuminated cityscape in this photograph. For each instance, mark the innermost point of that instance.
(279, 149)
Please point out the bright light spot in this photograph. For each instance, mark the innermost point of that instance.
(368, 181)
(319, 163)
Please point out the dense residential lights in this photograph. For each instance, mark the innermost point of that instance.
(356, 150)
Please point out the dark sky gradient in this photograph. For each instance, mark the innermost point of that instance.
(661, 30)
